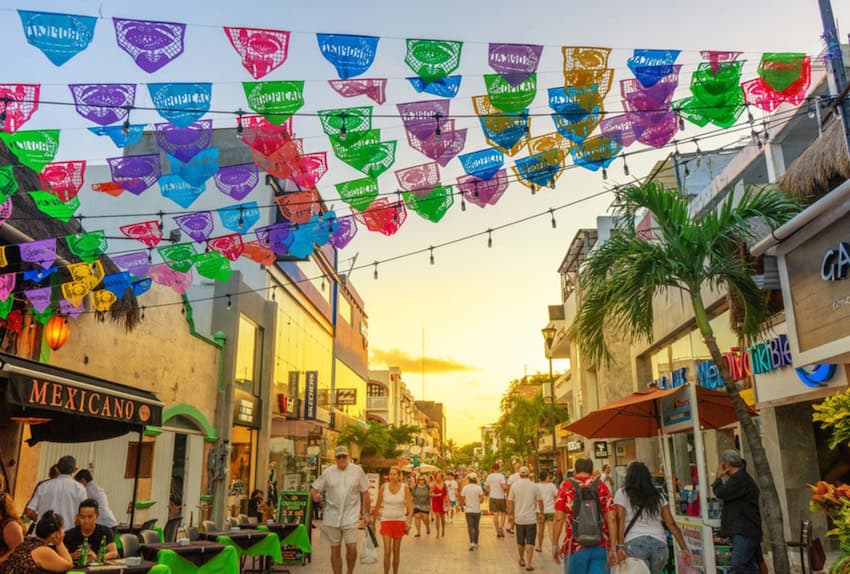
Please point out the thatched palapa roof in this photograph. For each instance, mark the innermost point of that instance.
(821, 168)
(27, 219)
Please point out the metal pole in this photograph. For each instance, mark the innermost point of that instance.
(554, 422)
(836, 62)
(136, 476)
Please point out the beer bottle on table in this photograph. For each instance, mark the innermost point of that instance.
(101, 551)
(84, 552)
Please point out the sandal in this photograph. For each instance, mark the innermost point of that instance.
(529, 569)
(522, 563)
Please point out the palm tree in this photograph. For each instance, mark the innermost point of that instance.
(621, 277)
(524, 421)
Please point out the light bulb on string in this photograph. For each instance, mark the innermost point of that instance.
(142, 313)
(342, 129)
(125, 127)
(432, 254)
(375, 273)
(604, 174)
(811, 112)
(229, 304)
(274, 293)
(438, 133)
(533, 189)
(462, 203)
(681, 123)
(6, 100)
(489, 238)
(554, 223)
(625, 166)
(240, 130)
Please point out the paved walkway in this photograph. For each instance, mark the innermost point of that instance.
(449, 555)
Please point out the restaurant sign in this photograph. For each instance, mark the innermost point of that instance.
(37, 393)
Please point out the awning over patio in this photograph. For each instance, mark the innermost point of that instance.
(66, 406)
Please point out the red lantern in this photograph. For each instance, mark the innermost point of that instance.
(56, 332)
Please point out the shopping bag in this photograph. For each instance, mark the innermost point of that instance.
(630, 566)
(368, 554)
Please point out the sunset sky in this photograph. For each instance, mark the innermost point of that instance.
(480, 309)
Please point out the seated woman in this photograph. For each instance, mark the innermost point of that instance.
(11, 532)
(43, 553)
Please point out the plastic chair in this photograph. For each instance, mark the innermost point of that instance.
(193, 534)
(149, 536)
(243, 519)
(148, 524)
(170, 530)
(130, 544)
(208, 526)
(252, 520)
(804, 544)
(232, 521)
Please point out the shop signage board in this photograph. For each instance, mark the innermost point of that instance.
(374, 481)
(346, 397)
(311, 394)
(676, 411)
(600, 449)
(575, 446)
(294, 507)
(693, 532)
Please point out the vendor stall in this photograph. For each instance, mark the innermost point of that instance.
(693, 425)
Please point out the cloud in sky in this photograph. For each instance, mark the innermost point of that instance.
(407, 363)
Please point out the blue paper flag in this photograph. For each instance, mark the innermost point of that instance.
(240, 218)
(197, 170)
(350, 55)
(59, 36)
(596, 152)
(444, 87)
(538, 168)
(483, 164)
(302, 243)
(118, 283)
(650, 66)
(179, 190)
(141, 286)
(39, 275)
(507, 138)
(117, 135)
(181, 103)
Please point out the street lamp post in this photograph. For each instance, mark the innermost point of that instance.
(549, 338)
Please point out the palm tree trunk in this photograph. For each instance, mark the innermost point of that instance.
(770, 498)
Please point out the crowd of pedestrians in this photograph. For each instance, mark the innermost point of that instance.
(591, 525)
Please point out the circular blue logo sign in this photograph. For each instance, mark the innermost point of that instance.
(816, 375)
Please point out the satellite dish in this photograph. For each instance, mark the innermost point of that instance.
(415, 449)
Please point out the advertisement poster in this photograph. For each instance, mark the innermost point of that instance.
(374, 480)
(294, 507)
(676, 411)
(693, 539)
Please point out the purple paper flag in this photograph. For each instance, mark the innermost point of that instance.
(6, 210)
(7, 285)
(441, 148)
(198, 225)
(136, 263)
(422, 119)
(39, 298)
(103, 104)
(151, 44)
(184, 143)
(344, 231)
(514, 62)
(237, 181)
(165, 275)
(483, 192)
(135, 173)
(41, 252)
(69, 309)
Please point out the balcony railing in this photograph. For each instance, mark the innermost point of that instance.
(376, 403)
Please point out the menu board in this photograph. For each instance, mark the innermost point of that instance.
(693, 533)
(294, 507)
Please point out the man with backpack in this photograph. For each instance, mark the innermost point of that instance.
(585, 508)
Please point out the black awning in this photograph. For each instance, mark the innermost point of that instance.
(71, 406)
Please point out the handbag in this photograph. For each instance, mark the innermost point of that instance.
(368, 554)
(817, 556)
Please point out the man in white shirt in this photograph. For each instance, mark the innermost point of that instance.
(451, 487)
(511, 481)
(344, 489)
(548, 492)
(494, 486)
(472, 496)
(524, 505)
(94, 491)
(62, 494)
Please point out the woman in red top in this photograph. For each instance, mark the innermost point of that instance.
(439, 501)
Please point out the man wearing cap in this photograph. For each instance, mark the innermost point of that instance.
(62, 494)
(525, 504)
(344, 489)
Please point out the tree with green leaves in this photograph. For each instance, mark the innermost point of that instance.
(623, 275)
(378, 439)
(524, 421)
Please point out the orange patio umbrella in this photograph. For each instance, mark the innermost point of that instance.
(639, 414)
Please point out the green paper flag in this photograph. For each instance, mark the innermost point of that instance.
(781, 69)
(343, 148)
(717, 95)
(433, 60)
(372, 160)
(87, 246)
(213, 265)
(6, 306)
(434, 205)
(33, 148)
(8, 183)
(359, 193)
(275, 101)
(55, 207)
(179, 257)
(354, 119)
(507, 98)
(44, 316)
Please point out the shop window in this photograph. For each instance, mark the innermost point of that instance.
(248, 351)
(145, 463)
(345, 310)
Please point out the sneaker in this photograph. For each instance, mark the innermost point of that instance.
(471, 547)
(474, 545)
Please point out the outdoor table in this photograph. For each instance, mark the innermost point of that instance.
(199, 557)
(257, 543)
(290, 534)
(120, 567)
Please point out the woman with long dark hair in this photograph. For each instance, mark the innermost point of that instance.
(641, 510)
(44, 552)
(11, 532)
